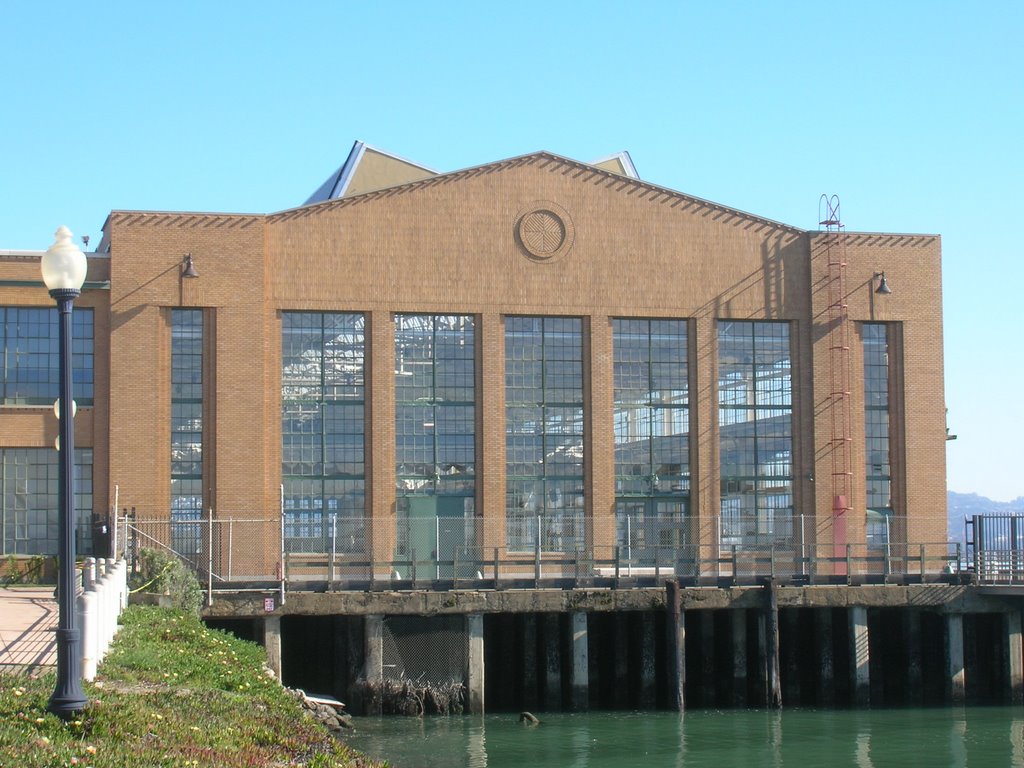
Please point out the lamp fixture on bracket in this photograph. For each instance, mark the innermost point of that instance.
(189, 268)
(883, 287)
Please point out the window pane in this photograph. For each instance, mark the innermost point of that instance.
(31, 358)
(323, 428)
(186, 428)
(544, 433)
(651, 426)
(30, 490)
(435, 392)
(755, 432)
(876, 429)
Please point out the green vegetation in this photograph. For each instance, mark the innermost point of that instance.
(170, 693)
(25, 570)
(163, 573)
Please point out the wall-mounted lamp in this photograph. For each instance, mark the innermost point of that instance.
(190, 268)
(883, 287)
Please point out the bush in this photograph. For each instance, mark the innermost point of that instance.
(163, 573)
(27, 570)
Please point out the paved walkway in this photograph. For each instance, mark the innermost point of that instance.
(28, 618)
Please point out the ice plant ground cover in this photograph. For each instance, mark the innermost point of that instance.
(170, 693)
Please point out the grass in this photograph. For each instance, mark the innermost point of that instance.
(171, 692)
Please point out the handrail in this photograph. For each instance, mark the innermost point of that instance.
(263, 554)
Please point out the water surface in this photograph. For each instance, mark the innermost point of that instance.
(930, 738)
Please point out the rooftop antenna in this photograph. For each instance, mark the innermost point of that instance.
(831, 219)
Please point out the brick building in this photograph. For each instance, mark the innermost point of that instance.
(536, 355)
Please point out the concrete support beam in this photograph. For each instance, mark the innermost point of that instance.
(955, 684)
(580, 670)
(272, 643)
(1015, 658)
(475, 662)
(373, 658)
(826, 661)
(739, 657)
(552, 662)
(860, 656)
(374, 653)
(648, 682)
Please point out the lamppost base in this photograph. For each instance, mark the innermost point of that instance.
(68, 699)
(66, 707)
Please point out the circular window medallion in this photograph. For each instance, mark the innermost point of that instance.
(544, 231)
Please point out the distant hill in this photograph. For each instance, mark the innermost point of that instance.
(961, 505)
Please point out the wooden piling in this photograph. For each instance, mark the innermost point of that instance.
(915, 668)
(475, 662)
(531, 697)
(954, 647)
(552, 662)
(579, 695)
(739, 657)
(708, 682)
(826, 682)
(774, 687)
(622, 645)
(860, 656)
(648, 680)
(1014, 657)
(675, 625)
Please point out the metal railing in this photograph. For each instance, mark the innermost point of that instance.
(299, 551)
(995, 548)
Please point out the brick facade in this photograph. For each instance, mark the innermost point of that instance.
(453, 244)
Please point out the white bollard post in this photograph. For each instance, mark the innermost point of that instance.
(122, 584)
(113, 601)
(89, 573)
(102, 609)
(87, 616)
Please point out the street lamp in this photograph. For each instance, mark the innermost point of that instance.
(63, 267)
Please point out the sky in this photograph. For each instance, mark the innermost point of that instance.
(911, 112)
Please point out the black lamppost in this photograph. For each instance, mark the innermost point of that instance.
(63, 267)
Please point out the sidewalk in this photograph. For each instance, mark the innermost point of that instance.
(28, 618)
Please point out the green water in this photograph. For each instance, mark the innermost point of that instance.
(930, 738)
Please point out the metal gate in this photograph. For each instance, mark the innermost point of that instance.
(995, 546)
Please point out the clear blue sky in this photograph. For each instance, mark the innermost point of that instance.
(912, 112)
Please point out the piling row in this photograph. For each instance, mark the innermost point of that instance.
(687, 650)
